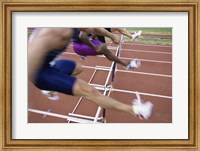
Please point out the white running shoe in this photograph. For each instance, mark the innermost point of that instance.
(136, 35)
(142, 110)
(135, 63)
(52, 95)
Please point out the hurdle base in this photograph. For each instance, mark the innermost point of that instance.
(77, 118)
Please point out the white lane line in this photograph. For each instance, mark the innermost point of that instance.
(71, 53)
(45, 115)
(60, 116)
(147, 45)
(146, 60)
(48, 113)
(145, 73)
(127, 71)
(147, 94)
(83, 116)
(102, 56)
(146, 51)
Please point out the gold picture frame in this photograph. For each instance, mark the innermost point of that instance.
(9, 6)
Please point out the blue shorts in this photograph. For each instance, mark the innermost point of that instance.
(57, 77)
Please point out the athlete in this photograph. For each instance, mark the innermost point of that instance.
(46, 44)
(123, 32)
(84, 46)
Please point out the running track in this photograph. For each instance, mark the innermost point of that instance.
(153, 80)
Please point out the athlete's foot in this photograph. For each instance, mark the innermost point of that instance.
(52, 95)
(136, 35)
(142, 110)
(135, 63)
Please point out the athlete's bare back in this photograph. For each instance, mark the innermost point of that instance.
(47, 39)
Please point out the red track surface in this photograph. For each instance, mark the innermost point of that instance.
(153, 79)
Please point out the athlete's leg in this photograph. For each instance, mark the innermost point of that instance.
(81, 88)
(108, 34)
(68, 67)
(122, 31)
(78, 69)
(50, 79)
(54, 79)
(103, 32)
(109, 55)
(128, 34)
(85, 50)
(132, 64)
(102, 38)
(142, 110)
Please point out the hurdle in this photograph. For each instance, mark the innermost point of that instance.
(106, 88)
(112, 72)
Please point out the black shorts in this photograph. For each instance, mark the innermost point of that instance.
(102, 38)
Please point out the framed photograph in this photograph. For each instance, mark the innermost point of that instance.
(171, 83)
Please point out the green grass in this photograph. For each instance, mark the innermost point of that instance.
(162, 31)
(153, 41)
